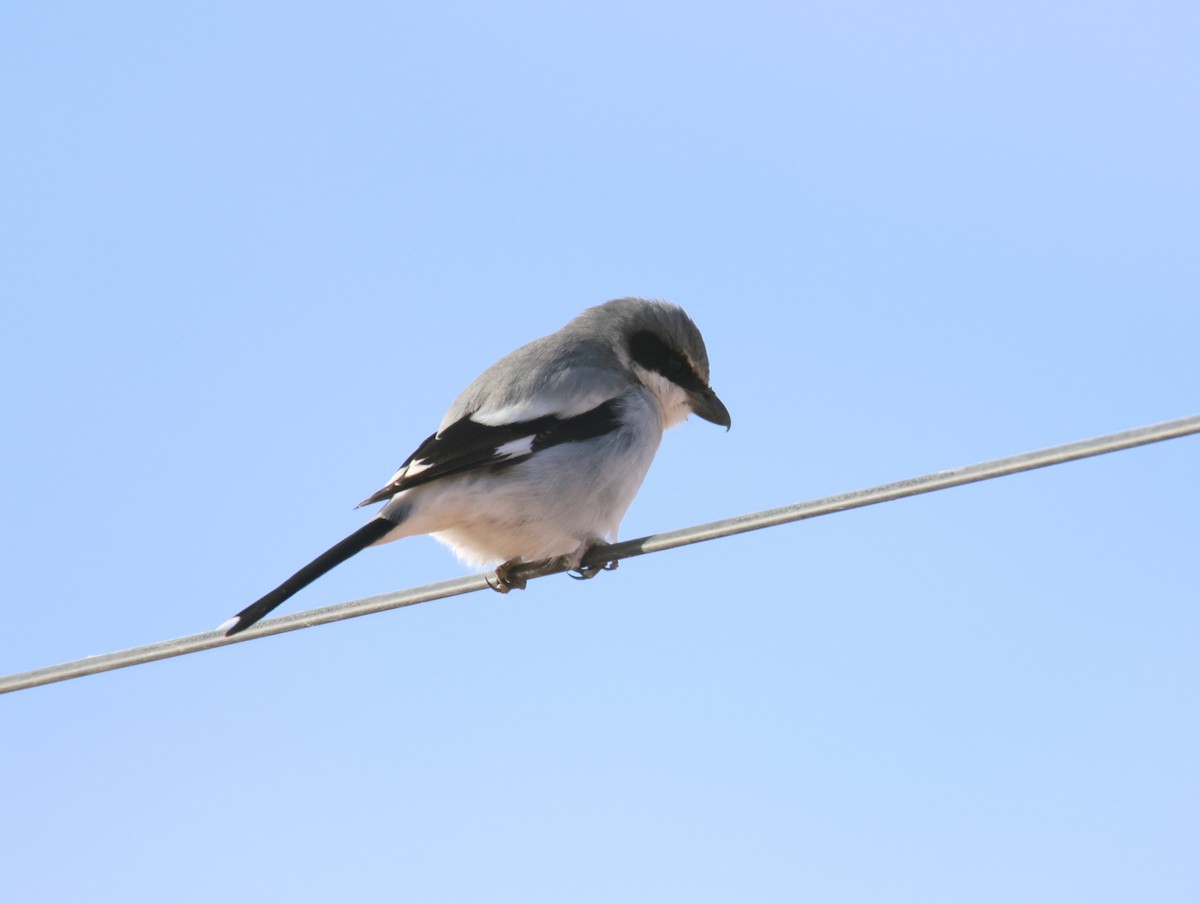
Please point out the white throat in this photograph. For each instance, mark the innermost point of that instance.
(673, 403)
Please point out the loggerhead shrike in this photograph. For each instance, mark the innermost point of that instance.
(539, 458)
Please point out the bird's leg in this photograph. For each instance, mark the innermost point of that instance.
(575, 568)
(504, 580)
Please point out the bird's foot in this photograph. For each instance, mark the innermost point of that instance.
(581, 572)
(503, 580)
(587, 572)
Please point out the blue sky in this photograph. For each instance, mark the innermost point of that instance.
(251, 253)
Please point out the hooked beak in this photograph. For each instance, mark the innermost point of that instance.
(705, 404)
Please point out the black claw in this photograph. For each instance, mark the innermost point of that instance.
(587, 572)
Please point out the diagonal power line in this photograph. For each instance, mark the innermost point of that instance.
(914, 486)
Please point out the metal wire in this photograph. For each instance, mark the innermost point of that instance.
(940, 480)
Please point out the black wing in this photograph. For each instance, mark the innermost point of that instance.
(467, 445)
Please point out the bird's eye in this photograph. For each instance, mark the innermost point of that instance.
(655, 355)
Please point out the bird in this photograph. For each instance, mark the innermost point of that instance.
(539, 458)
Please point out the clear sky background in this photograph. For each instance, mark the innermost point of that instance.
(250, 252)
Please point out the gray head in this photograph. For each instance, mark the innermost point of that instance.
(660, 344)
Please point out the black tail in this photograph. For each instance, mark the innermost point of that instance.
(359, 540)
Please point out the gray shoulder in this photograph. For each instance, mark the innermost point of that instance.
(563, 373)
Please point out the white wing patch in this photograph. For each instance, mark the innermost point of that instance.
(413, 468)
(516, 448)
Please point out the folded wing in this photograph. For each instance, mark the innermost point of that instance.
(468, 445)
